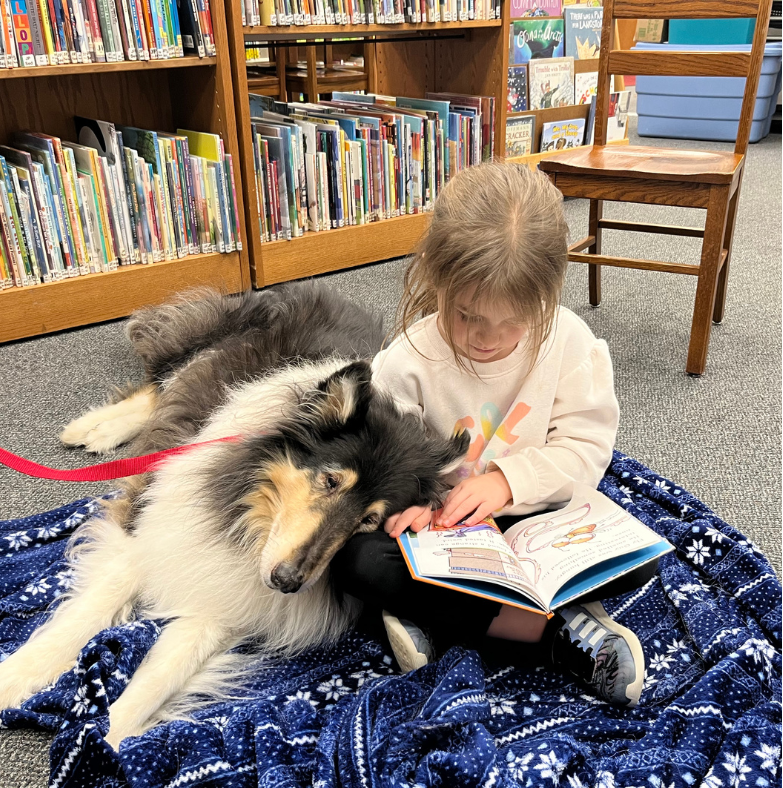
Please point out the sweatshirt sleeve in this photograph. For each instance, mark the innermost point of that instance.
(393, 372)
(580, 439)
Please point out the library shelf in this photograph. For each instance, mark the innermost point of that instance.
(345, 247)
(98, 68)
(94, 298)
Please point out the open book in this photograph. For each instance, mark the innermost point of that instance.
(542, 562)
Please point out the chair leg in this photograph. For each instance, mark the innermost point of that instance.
(714, 229)
(594, 275)
(720, 297)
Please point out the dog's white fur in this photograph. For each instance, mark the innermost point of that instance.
(171, 567)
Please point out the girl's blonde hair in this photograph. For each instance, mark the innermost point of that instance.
(499, 230)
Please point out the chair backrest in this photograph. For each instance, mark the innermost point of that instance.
(669, 63)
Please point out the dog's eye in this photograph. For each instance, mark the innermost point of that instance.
(371, 520)
(331, 482)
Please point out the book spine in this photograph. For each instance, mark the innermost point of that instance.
(22, 33)
(129, 43)
(234, 201)
(36, 31)
(93, 20)
(63, 8)
(106, 31)
(118, 38)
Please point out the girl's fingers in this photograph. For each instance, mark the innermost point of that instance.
(465, 507)
(388, 526)
(480, 513)
(421, 522)
(405, 520)
(453, 507)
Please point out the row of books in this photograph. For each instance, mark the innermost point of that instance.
(58, 32)
(550, 82)
(357, 159)
(567, 133)
(576, 34)
(527, 8)
(119, 196)
(365, 12)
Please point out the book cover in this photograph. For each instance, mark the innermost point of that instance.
(517, 89)
(533, 39)
(540, 563)
(551, 83)
(582, 31)
(619, 104)
(585, 86)
(528, 8)
(562, 134)
(519, 136)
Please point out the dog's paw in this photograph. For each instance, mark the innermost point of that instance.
(77, 433)
(103, 430)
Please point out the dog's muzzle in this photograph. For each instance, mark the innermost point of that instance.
(286, 578)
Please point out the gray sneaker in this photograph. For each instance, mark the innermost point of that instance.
(409, 644)
(603, 655)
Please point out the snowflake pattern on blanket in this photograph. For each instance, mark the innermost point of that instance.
(710, 714)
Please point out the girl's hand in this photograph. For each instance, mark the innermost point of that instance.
(481, 495)
(415, 518)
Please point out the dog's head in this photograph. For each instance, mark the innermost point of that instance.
(344, 461)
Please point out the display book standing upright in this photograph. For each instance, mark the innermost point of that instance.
(161, 95)
(541, 563)
(552, 77)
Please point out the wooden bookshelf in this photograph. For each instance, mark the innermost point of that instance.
(194, 93)
(305, 32)
(462, 57)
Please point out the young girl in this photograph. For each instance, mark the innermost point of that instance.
(496, 356)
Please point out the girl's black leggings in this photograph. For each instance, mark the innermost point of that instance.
(370, 567)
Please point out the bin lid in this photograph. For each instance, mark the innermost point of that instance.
(771, 48)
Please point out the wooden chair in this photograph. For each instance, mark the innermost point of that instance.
(661, 176)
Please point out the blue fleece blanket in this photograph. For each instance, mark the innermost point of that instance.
(710, 714)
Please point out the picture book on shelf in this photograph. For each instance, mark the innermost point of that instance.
(533, 39)
(517, 89)
(529, 8)
(551, 83)
(582, 2)
(585, 86)
(619, 104)
(562, 134)
(582, 31)
(519, 136)
(542, 562)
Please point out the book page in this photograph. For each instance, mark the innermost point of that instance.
(478, 552)
(560, 544)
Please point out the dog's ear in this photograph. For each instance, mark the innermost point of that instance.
(345, 395)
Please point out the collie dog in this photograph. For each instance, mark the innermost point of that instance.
(230, 542)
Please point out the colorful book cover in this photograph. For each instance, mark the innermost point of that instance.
(585, 86)
(517, 89)
(528, 8)
(519, 136)
(562, 134)
(551, 83)
(533, 39)
(582, 31)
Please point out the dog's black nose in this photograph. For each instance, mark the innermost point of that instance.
(287, 578)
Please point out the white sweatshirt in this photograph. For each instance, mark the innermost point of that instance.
(543, 429)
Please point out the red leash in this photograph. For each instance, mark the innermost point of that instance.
(117, 469)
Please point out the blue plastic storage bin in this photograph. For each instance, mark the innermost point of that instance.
(706, 108)
(711, 31)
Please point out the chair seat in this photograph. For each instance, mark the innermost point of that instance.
(638, 161)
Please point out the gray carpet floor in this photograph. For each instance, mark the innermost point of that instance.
(718, 435)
